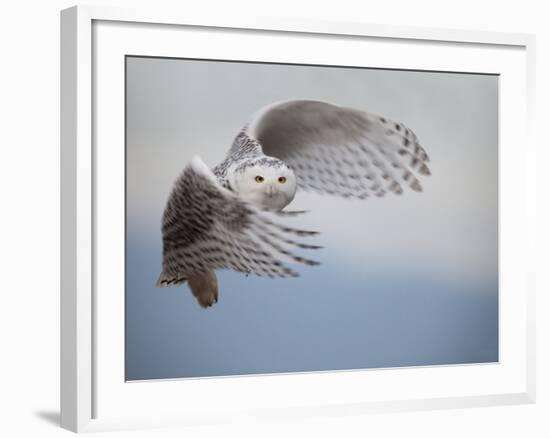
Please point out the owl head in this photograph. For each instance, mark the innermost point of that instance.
(267, 183)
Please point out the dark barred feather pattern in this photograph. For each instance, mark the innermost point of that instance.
(206, 227)
(338, 150)
(243, 150)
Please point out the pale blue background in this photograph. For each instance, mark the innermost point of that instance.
(405, 281)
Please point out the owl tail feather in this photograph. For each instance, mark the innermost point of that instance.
(170, 280)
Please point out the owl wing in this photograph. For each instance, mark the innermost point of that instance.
(337, 150)
(207, 227)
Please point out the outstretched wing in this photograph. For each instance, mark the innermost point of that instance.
(337, 150)
(207, 227)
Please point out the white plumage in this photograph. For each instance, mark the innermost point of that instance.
(231, 218)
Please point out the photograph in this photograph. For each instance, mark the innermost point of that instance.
(290, 218)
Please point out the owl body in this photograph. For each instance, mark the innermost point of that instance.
(232, 217)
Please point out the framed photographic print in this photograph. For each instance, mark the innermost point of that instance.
(266, 219)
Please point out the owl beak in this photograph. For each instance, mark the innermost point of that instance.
(271, 190)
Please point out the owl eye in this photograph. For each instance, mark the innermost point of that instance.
(282, 179)
(259, 179)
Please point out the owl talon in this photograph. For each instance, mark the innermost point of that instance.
(204, 287)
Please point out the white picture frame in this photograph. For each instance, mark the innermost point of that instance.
(93, 395)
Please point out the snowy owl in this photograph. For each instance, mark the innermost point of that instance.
(232, 217)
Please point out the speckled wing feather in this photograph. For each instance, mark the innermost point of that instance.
(207, 227)
(337, 150)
